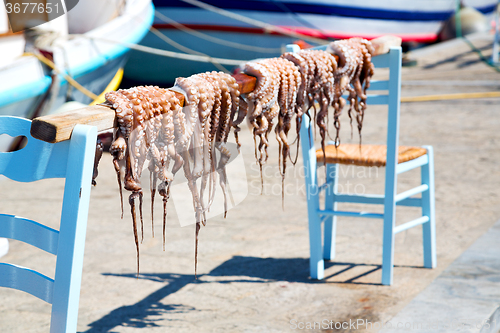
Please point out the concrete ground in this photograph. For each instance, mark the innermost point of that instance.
(253, 271)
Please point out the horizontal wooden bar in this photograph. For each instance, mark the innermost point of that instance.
(382, 45)
(246, 82)
(58, 127)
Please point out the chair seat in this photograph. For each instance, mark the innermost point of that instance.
(366, 155)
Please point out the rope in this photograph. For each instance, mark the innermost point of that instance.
(481, 55)
(296, 16)
(165, 53)
(266, 26)
(427, 98)
(68, 78)
(112, 85)
(215, 40)
(186, 49)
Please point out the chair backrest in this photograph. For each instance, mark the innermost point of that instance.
(392, 61)
(73, 160)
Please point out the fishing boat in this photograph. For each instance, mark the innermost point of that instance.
(227, 29)
(74, 57)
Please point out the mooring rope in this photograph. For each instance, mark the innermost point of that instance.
(257, 23)
(213, 39)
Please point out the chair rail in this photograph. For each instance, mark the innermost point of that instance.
(27, 280)
(30, 232)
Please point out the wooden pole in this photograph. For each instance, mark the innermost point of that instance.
(58, 127)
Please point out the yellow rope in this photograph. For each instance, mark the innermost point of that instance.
(428, 98)
(68, 78)
(113, 85)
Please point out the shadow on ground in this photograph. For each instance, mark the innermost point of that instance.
(236, 269)
(459, 60)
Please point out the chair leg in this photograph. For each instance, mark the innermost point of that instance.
(330, 204)
(316, 262)
(389, 222)
(428, 209)
(388, 245)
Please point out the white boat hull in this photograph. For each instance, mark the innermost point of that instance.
(88, 59)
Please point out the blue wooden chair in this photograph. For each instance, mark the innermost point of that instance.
(72, 160)
(396, 160)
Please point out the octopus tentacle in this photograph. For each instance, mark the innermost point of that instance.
(193, 125)
(230, 92)
(242, 113)
(134, 225)
(302, 93)
(117, 149)
(152, 184)
(208, 134)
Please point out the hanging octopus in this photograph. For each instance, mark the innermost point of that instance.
(212, 101)
(354, 75)
(287, 100)
(304, 68)
(145, 132)
(261, 105)
(275, 96)
(318, 72)
(361, 81)
(231, 102)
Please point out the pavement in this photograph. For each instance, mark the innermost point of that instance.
(465, 297)
(253, 271)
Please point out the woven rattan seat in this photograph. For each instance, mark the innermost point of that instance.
(366, 155)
